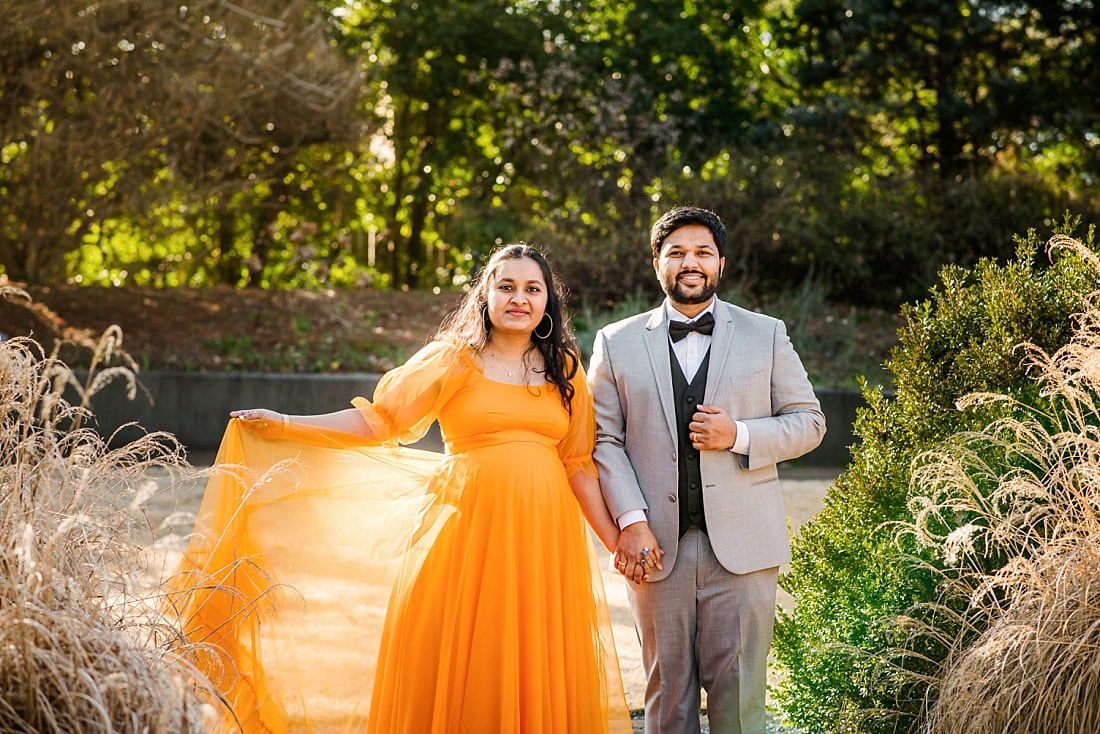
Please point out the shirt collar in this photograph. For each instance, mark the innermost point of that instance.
(671, 314)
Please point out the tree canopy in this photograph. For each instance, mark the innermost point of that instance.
(954, 84)
(312, 142)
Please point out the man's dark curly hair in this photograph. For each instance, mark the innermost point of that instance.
(684, 215)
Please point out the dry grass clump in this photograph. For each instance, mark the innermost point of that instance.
(1037, 669)
(81, 646)
(1013, 513)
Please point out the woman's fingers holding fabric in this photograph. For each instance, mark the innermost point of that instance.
(254, 414)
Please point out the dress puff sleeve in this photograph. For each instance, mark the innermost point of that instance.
(575, 449)
(409, 398)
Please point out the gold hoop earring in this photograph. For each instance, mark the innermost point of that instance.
(549, 332)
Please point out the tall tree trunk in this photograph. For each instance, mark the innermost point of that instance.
(400, 140)
(11, 259)
(947, 137)
(266, 214)
(230, 260)
(417, 263)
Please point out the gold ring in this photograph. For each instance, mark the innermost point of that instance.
(622, 564)
(693, 436)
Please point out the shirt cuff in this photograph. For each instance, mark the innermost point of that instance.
(741, 443)
(630, 517)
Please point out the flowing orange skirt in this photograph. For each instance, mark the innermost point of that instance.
(343, 588)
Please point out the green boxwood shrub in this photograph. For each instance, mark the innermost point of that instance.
(844, 665)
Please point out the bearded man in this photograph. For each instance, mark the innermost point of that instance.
(697, 402)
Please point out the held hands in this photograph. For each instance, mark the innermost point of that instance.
(712, 429)
(637, 552)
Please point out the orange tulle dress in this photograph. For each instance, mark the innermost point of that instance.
(340, 587)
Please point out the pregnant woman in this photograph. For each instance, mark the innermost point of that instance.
(494, 618)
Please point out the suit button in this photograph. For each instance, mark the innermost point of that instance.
(672, 498)
(689, 399)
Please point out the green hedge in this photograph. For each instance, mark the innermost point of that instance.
(845, 665)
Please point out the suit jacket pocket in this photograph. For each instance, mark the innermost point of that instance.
(763, 475)
(745, 395)
(742, 380)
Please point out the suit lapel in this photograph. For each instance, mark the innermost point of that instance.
(656, 343)
(721, 345)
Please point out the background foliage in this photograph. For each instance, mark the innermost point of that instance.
(848, 665)
(316, 142)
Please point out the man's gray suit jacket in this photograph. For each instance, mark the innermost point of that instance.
(756, 377)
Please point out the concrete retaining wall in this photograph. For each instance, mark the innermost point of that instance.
(195, 407)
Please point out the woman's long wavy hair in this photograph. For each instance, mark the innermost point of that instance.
(470, 324)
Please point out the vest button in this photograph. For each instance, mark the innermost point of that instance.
(672, 498)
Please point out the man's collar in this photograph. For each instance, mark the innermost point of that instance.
(671, 314)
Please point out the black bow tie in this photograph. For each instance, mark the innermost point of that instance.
(679, 329)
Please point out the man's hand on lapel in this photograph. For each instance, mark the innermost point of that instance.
(712, 429)
(637, 552)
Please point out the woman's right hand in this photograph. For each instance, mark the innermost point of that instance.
(262, 422)
(257, 414)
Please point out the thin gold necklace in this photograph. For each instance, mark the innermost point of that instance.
(510, 373)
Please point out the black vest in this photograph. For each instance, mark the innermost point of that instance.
(690, 488)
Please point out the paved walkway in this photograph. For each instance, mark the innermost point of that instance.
(638, 720)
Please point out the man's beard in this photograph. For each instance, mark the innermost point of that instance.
(677, 293)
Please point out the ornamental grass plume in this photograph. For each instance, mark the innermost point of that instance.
(1013, 514)
(82, 647)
